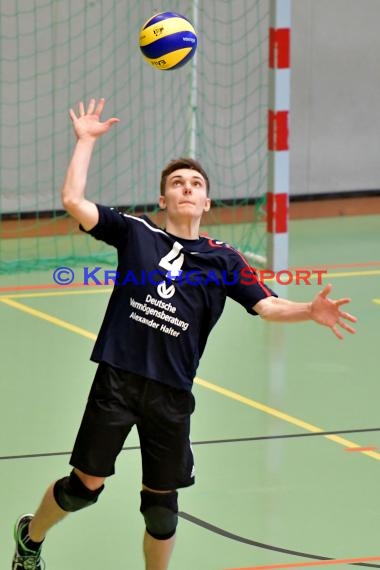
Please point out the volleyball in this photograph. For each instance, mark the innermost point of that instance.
(168, 40)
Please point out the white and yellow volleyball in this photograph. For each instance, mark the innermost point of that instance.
(168, 40)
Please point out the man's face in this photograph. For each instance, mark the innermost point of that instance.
(185, 194)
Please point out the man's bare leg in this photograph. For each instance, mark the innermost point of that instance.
(157, 552)
(49, 513)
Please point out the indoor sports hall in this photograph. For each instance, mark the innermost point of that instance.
(280, 106)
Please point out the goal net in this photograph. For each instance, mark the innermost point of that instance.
(54, 53)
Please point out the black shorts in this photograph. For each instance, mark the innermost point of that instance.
(118, 400)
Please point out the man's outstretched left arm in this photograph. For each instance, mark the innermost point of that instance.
(321, 309)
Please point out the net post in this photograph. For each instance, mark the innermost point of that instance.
(278, 134)
(193, 87)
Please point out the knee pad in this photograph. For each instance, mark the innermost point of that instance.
(72, 495)
(160, 513)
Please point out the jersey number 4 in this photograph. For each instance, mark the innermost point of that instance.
(173, 262)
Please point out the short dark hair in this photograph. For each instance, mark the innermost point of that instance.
(177, 164)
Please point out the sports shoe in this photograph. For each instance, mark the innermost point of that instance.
(24, 558)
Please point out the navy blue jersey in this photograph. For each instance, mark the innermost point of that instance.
(169, 292)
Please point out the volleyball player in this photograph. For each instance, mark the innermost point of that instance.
(170, 290)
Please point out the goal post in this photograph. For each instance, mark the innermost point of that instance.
(215, 108)
(278, 134)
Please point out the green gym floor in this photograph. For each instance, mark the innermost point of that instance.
(286, 432)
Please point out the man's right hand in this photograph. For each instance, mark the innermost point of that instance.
(87, 124)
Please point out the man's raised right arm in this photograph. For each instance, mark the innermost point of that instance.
(88, 128)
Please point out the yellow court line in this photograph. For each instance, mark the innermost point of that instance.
(55, 293)
(204, 383)
(349, 274)
(281, 415)
(49, 318)
(326, 276)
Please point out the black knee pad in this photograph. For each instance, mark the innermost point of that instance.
(72, 495)
(160, 511)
